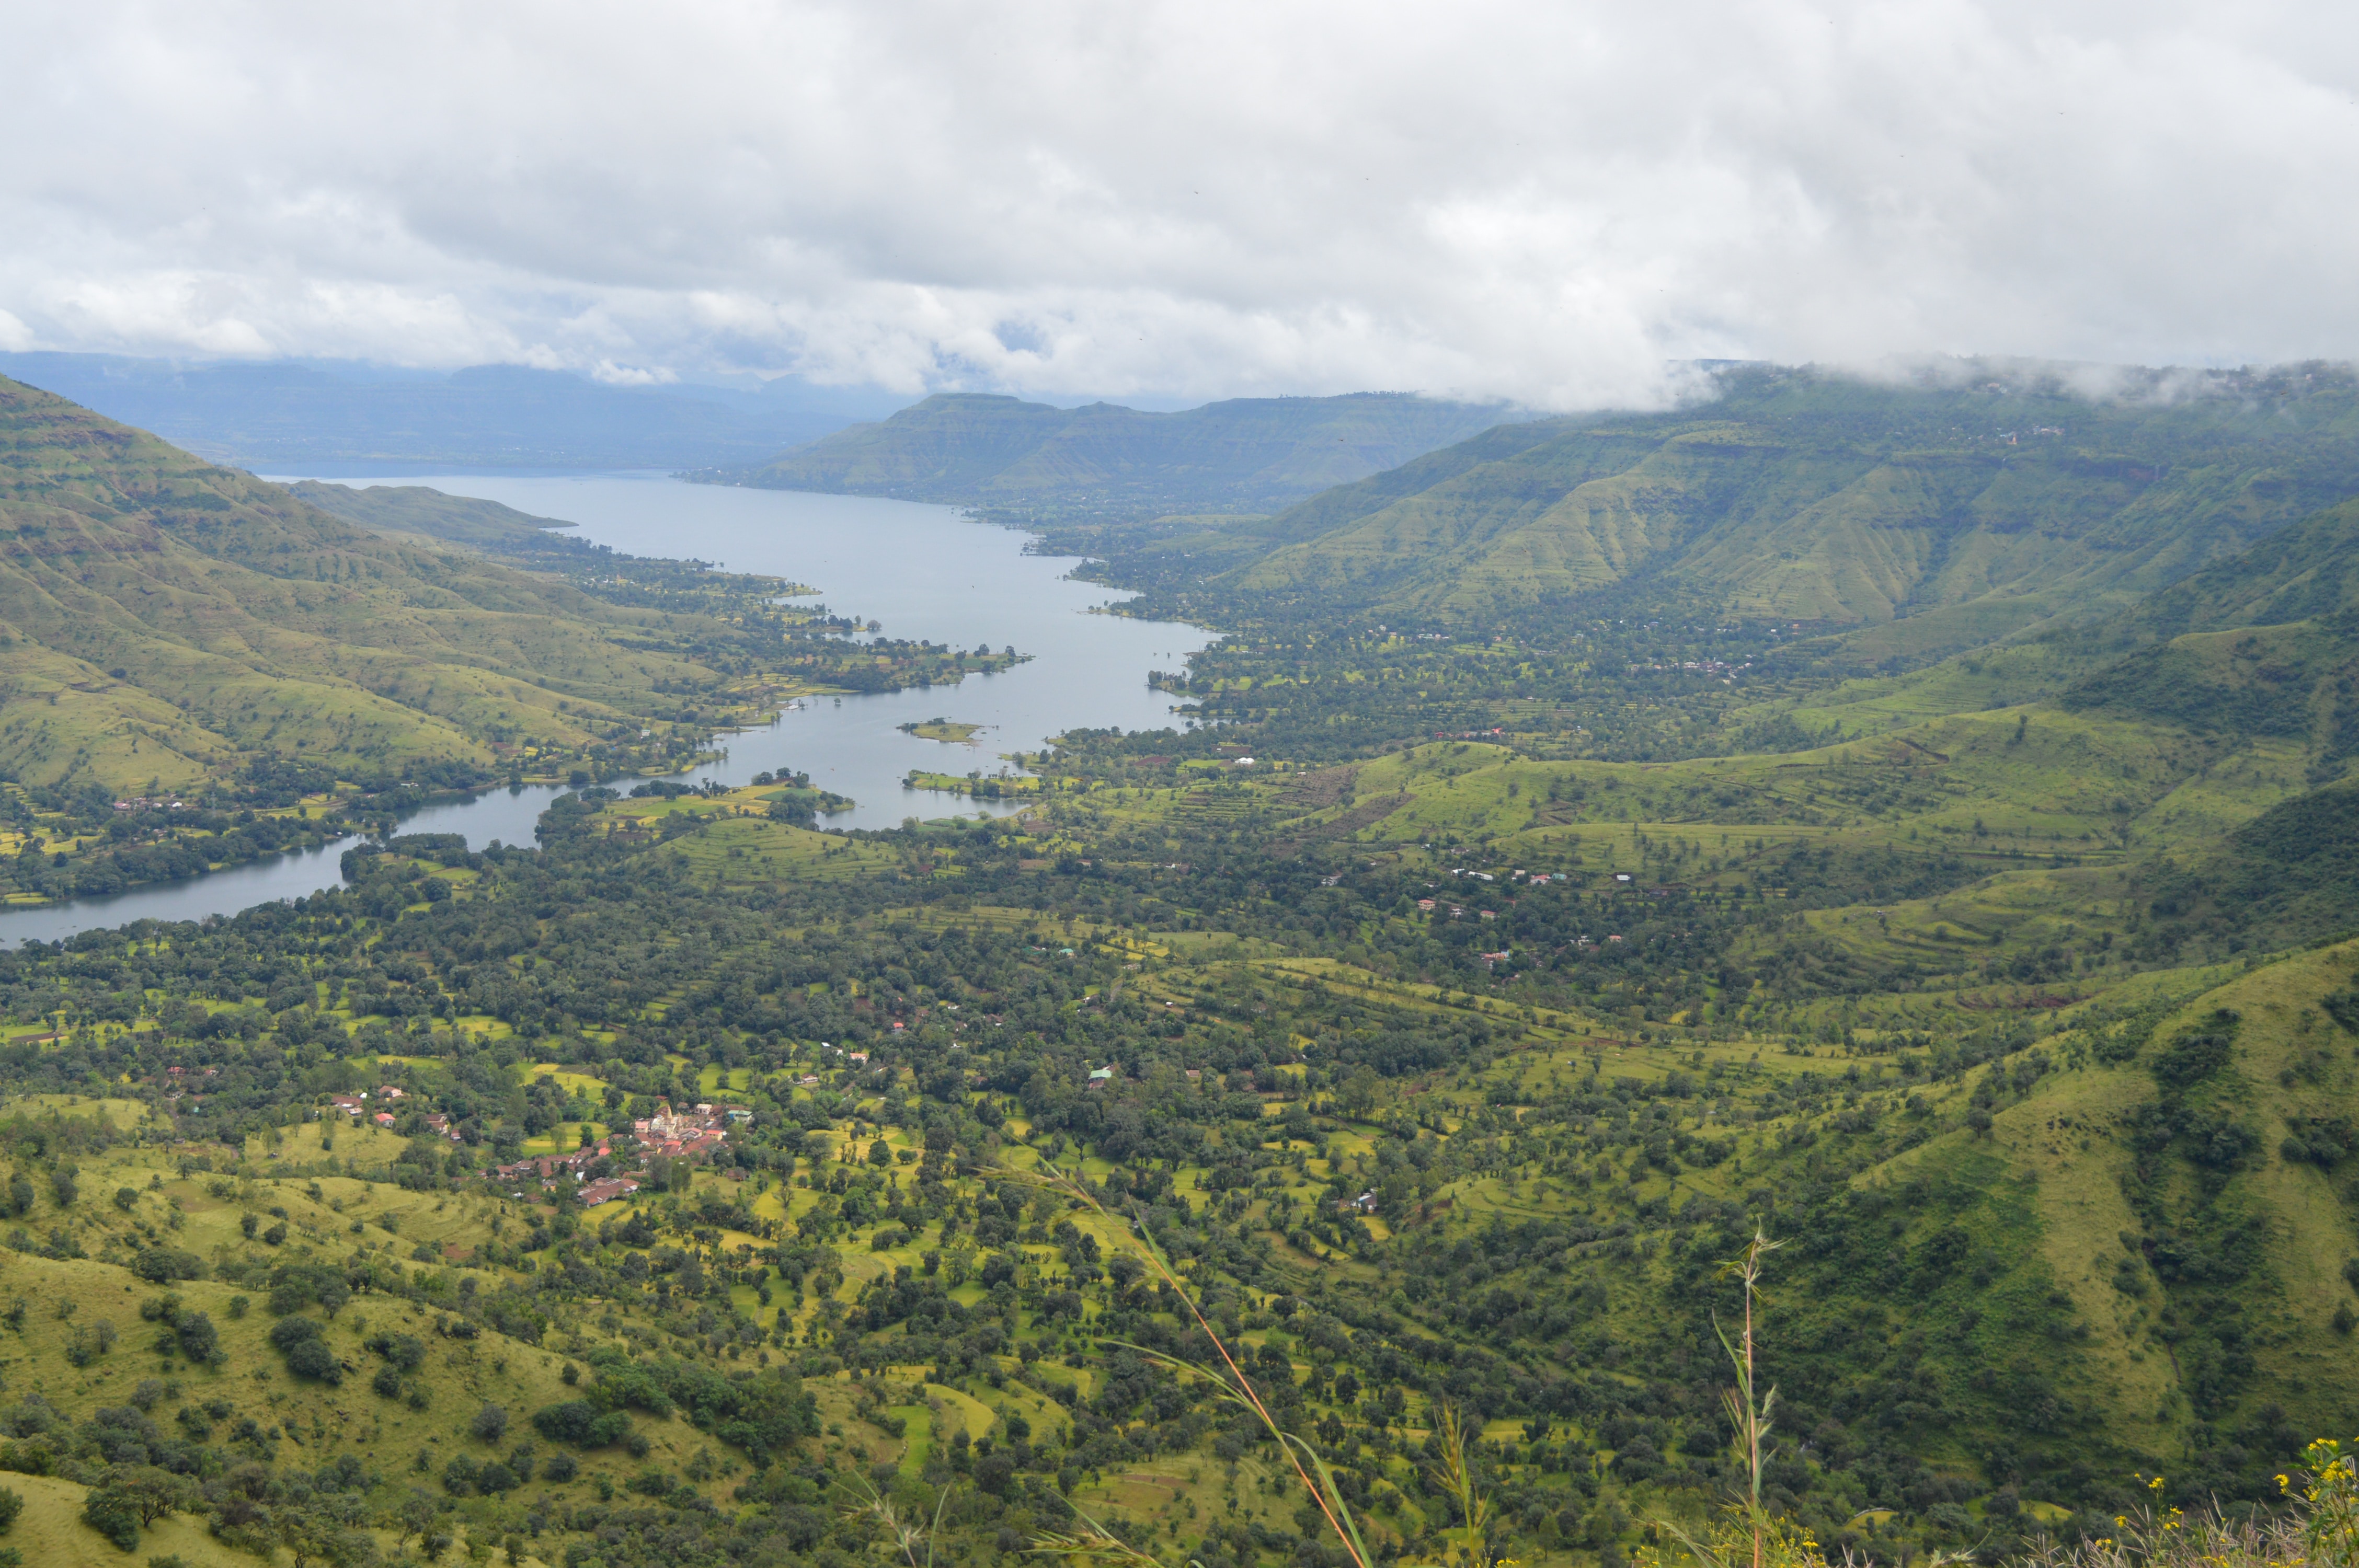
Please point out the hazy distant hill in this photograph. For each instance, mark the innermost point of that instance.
(340, 415)
(1247, 455)
(414, 511)
(1949, 516)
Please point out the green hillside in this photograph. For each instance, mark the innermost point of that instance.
(2048, 1227)
(2261, 652)
(2265, 643)
(177, 630)
(1480, 972)
(1245, 455)
(169, 624)
(416, 511)
(1950, 516)
(2258, 646)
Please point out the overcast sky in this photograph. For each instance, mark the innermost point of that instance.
(1544, 202)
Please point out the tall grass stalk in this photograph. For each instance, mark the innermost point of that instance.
(1749, 1536)
(1750, 1416)
(906, 1534)
(1455, 1470)
(1317, 1479)
(2319, 1530)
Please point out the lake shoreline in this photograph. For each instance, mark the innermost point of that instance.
(957, 580)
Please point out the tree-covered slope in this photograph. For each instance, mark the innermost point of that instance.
(1241, 455)
(2260, 651)
(1409, 1163)
(2307, 572)
(2265, 644)
(1972, 511)
(170, 622)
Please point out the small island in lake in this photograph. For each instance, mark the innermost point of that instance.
(975, 784)
(942, 730)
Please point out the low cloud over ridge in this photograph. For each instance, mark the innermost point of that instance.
(1544, 204)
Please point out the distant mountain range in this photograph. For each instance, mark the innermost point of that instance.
(340, 417)
(1244, 456)
(1921, 520)
(1247, 456)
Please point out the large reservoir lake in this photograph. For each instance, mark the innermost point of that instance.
(921, 570)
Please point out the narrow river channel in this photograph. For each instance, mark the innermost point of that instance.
(921, 570)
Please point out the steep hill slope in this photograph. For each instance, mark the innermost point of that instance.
(2263, 647)
(167, 620)
(2261, 652)
(2124, 1257)
(2265, 644)
(2307, 572)
(1241, 455)
(1966, 512)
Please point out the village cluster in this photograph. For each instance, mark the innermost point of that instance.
(698, 1134)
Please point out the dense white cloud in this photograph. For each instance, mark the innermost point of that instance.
(1543, 202)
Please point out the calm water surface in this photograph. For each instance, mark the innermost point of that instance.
(923, 571)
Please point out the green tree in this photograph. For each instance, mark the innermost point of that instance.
(311, 1535)
(417, 1513)
(199, 1341)
(113, 1512)
(155, 1492)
